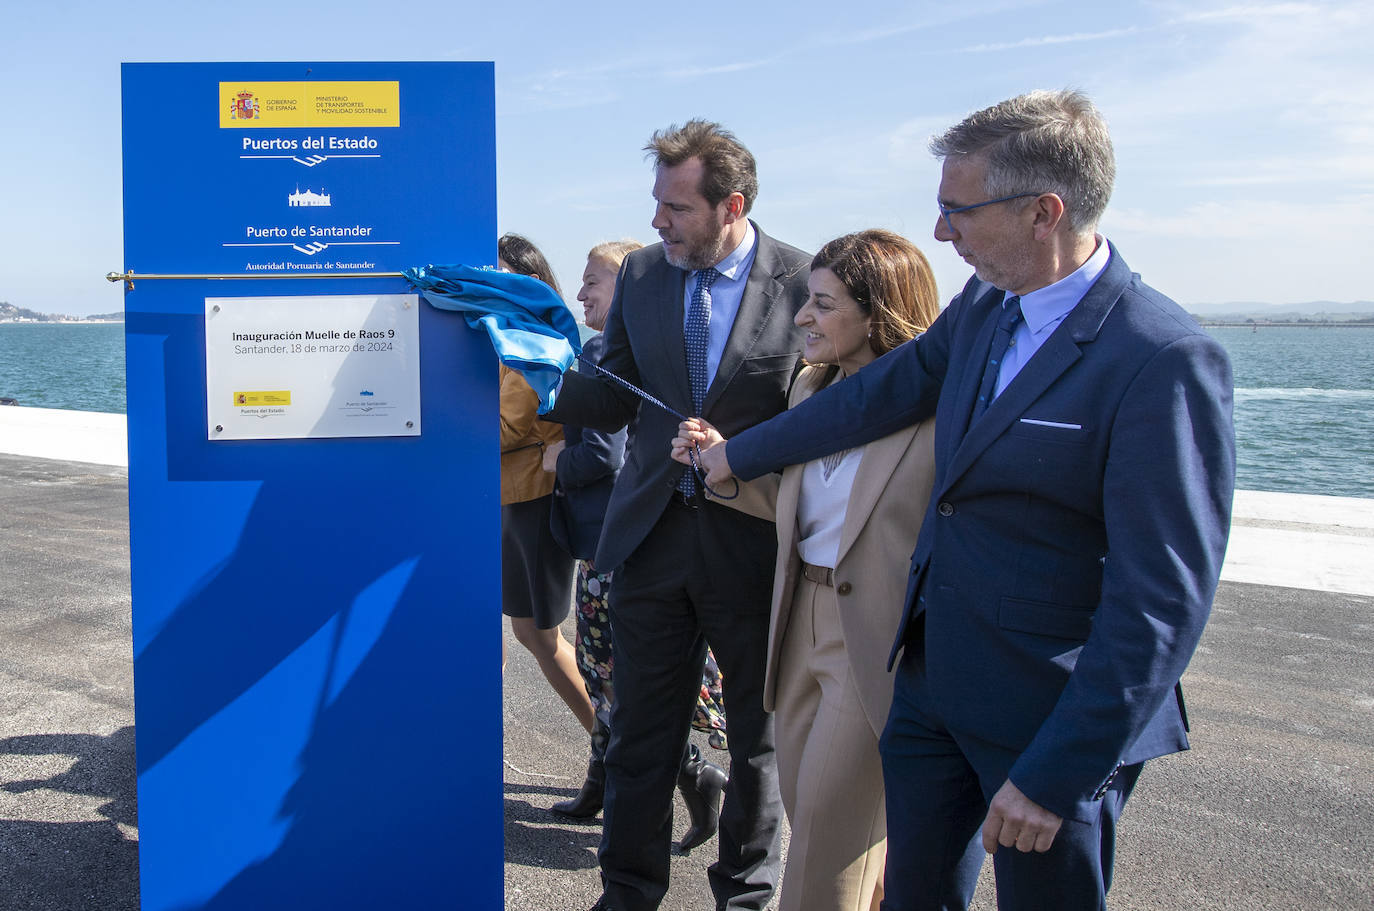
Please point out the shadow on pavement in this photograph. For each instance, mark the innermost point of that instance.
(537, 838)
(74, 866)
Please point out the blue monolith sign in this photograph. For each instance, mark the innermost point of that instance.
(313, 487)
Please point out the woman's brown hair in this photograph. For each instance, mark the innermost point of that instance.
(890, 279)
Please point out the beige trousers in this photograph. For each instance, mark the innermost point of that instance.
(828, 766)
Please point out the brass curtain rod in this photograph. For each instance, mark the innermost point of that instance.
(129, 276)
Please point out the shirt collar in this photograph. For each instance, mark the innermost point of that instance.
(1048, 305)
(730, 266)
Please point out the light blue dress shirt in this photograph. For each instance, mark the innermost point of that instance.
(1043, 310)
(726, 295)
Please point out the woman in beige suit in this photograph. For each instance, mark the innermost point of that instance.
(847, 525)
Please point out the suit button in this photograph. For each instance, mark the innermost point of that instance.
(945, 509)
(843, 588)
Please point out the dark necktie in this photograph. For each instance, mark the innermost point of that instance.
(696, 338)
(1001, 341)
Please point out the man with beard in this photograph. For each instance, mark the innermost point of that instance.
(702, 321)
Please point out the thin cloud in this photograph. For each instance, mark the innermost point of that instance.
(1246, 13)
(1043, 40)
(699, 72)
(542, 97)
(642, 67)
(879, 33)
(929, 22)
(599, 84)
(633, 65)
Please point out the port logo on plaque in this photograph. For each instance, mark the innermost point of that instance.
(303, 367)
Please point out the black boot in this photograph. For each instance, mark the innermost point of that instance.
(701, 784)
(587, 803)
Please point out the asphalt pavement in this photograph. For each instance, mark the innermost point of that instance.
(1273, 807)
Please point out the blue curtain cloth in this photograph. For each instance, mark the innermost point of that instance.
(530, 327)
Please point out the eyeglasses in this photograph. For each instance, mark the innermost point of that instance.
(945, 212)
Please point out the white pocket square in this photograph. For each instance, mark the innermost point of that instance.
(1058, 424)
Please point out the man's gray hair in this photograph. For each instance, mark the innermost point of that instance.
(1041, 142)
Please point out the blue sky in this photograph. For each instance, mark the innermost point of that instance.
(1244, 132)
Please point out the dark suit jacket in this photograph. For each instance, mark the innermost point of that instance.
(586, 473)
(644, 346)
(1075, 535)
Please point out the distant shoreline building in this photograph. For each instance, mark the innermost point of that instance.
(308, 198)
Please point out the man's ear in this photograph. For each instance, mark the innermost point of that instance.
(734, 208)
(1049, 212)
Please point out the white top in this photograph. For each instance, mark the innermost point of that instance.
(821, 506)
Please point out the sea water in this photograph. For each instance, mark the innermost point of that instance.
(1304, 395)
(1304, 408)
(78, 366)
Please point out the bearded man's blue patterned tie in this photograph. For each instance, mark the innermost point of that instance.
(696, 338)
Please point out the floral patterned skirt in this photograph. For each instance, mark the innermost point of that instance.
(595, 661)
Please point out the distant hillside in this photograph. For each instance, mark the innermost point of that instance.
(11, 313)
(1306, 309)
(1312, 311)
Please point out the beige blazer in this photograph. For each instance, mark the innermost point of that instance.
(889, 497)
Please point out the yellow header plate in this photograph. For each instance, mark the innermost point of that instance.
(282, 105)
(260, 399)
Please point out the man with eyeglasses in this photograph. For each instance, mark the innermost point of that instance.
(1085, 461)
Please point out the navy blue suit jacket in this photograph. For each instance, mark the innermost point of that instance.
(1075, 534)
